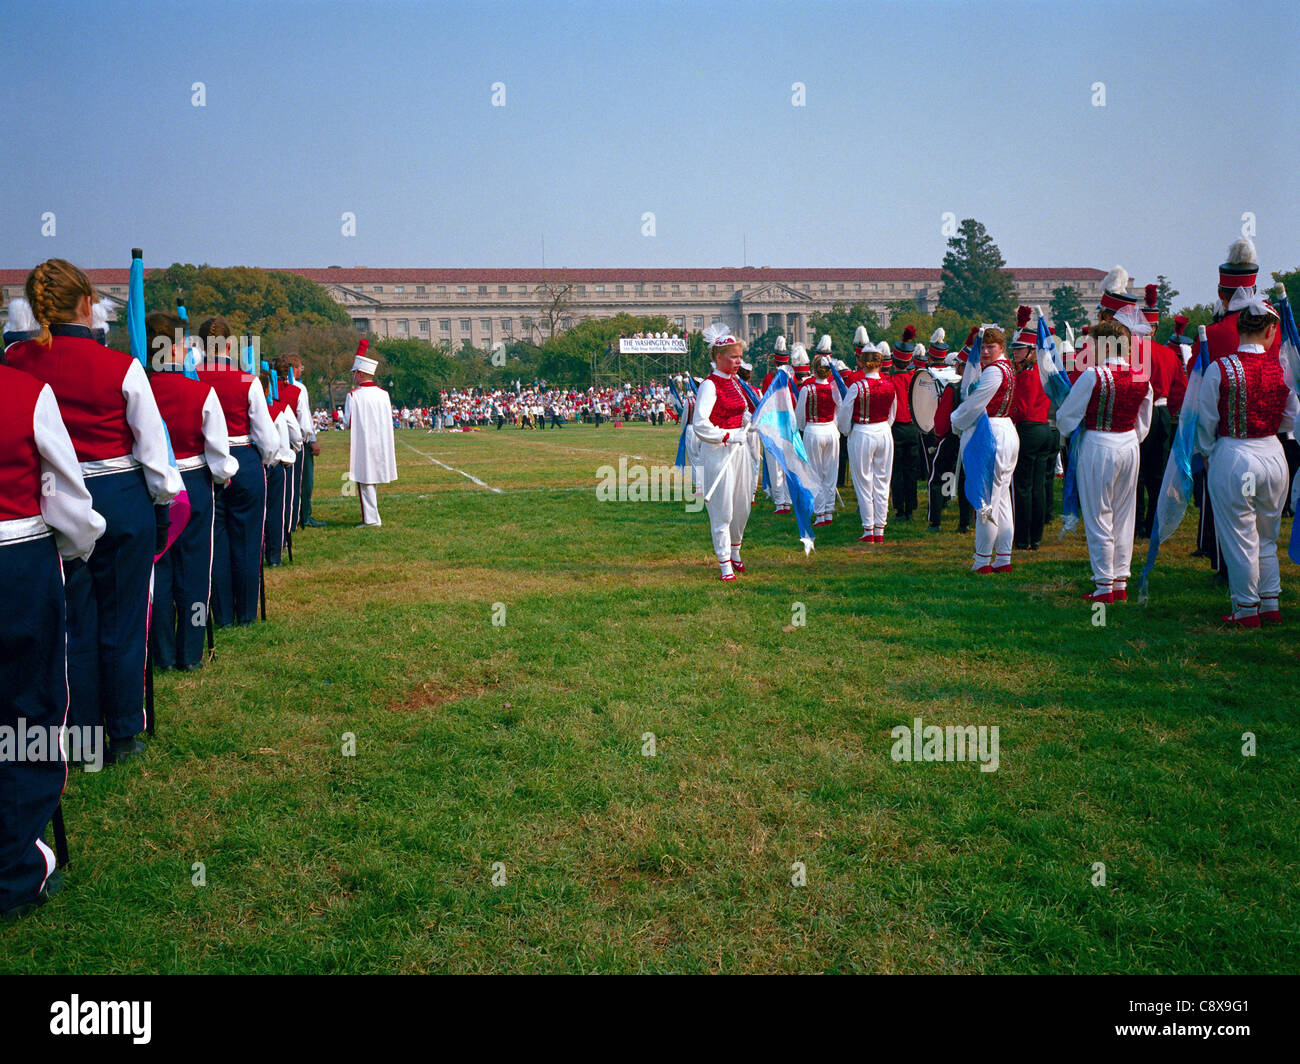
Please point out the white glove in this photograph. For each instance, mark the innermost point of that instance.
(738, 437)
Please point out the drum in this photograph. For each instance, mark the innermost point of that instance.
(927, 388)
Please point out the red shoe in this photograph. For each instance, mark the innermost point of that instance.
(1249, 621)
(880, 538)
(1271, 617)
(738, 566)
(984, 569)
(1121, 595)
(1099, 596)
(866, 537)
(727, 578)
(782, 510)
(1002, 568)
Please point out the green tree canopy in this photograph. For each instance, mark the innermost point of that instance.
(840, 323)
(1067, 308)
(974, 284)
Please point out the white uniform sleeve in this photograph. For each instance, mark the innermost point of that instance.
(1207, 411)
(700, 423)
(893, 410)
(65, 503)
(975, 404)
(216, 441)
(162, 478)
(305, 421)
(293, 436)
(801, 408)
(347, 411)
(1071, 412)
(844, 411)
(266, 437)
(1143, 423)
(1289, 412)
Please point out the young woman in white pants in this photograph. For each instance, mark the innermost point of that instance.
(1113, 404)
(866, 416)
(995, 524)
(1243, 404)
(720, 424)
(815, 416)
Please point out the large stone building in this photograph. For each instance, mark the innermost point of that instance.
(490, 306)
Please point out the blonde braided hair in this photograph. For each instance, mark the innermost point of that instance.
(54, 288)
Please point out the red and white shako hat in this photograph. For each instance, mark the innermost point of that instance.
(779, 354)
(1151, 308)
(902, 351)
(362, 364)
(1114, 291)
(860, 340)
(938, 349)
(1025, 336)
(1242, 268)
(1180, 331)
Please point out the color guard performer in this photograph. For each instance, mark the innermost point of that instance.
(720, 423)
(1243, 404)
(780, 491)
(907, 440)
(239, 513)
(1113, 403)
(197, 427)
(1164, 369)
(114, 424)
(815, 417)
(866, 415)
(945, 477)
(1030, 410)
(368, 412)
(993, 393)
(279, 474)
(46, 513)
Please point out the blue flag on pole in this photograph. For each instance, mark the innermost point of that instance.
(979, 459)
(774, 421)
(685, 425)
(135, 310)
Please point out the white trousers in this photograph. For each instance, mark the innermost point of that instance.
(369, 494)
(693, 448)
(755, 463)
(822, 442)
(777, 487)
(1248, 481)
(728, 508)
(871, 461)
(1108, 474)
(995, 526)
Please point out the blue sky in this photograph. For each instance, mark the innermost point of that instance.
(681, 109)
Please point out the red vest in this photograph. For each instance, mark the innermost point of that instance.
(873, 407)
(1223, 340)
(820, 406)
(289, 393)
(20, 462)
(851, 377)
(277, 408)
(231, 386)
(1116, 398)
(902, 383)
(943, 416)
(1252, 395)
(1168, 378)
(180, 401)
(1000, 404)
(729, 407)
(1029, 402)
(86, 378)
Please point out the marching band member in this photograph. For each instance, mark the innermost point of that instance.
(46, 513)
(239, 514)
(720, 423)
(1113, 403)
(113, 420)
(866, 415)
(935, 354)
(907, 440)
(945, 477)
(815, 416)
(1029, 413)
(295, 395)
(993, 393)
(368, 412)
(1164, 369)
(780, 491)
(197, 427)
(799, 365)
(279, 474)
(746, 373)
(1243, 403)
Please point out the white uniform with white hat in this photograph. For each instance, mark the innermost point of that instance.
(368, 412)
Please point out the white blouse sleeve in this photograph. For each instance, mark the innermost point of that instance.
(1070, 413)
(266, 437)
(216, 441)
(844, 412)
(801, 408)
(305, 421)
(66, 505)
(965, 416)
(1207, 410)
(1143, 424)
(150, 450)
(705, 429)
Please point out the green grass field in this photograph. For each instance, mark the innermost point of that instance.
(514, 750)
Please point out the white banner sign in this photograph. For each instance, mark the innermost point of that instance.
(652, 345)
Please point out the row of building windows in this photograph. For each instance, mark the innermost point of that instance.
(639, 289)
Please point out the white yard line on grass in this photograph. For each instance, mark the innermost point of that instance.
(453, 469)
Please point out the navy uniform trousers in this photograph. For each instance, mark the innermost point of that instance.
(299, 472)
(182, 581)
(238, 517)
(308, 482)
(33, 689)
(276, 502)
(108, 610)
(909, 464)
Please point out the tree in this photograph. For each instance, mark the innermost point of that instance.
(1291, 282)
(555, 308)
(1198, 315)
(256, 302)
(975, 281)
(1165, 295)
(1067, 309)
(417, 369)
(840, 323)
(327, 352)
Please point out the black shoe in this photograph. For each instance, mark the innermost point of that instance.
(53, 884)
(190, 668)
(273, 565)
(121, 750)
(1020, 546)
(963, 530)
(311, 522)
(1033, 546)
(933, 528)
